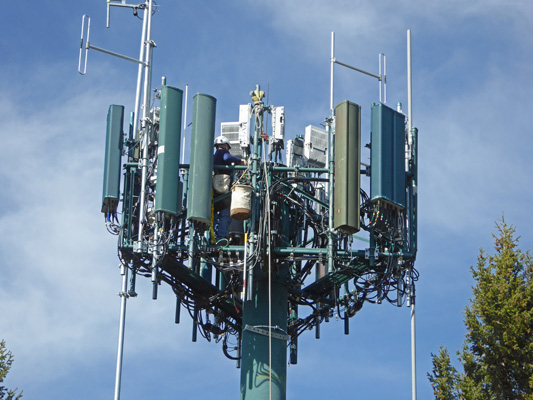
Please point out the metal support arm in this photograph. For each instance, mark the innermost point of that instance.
(83, 59)
(378, 77)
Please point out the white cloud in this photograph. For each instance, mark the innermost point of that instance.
(59, 268)
(474, 152)
(55, 250)
(60, 281)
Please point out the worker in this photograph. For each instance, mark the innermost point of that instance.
(222, 184)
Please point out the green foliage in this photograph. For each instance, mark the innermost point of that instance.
(6, 359)
(497, 355)
(444, 377)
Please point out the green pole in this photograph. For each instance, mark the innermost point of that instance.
(264, 359)
(264, 321)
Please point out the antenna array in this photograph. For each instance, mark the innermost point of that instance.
(289, 262)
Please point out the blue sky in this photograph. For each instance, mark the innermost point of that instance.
(60, 278)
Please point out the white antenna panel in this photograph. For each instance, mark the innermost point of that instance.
(295, 153)
(278, 123)
(315, 146)
(230, 130)
(245, 112)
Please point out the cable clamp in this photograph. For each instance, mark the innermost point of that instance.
(372, 253)
(139, 247)
(264, 332)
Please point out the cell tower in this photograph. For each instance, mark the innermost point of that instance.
(289, 263)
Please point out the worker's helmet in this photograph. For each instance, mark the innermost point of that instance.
(221, 140)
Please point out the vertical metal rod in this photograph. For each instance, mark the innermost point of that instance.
(413, 343)
(107, 19)
(123, 295)
(178, 309)
(331, 132)
(184, 125)
(124, 272)
(409, 84)
(384, 79)
(191, 246)
(155, 258)
(409, 127)
(195, 325)
(332, 63)
(346, 325)
(380, 74)
(249, 275)
(146, 105)
(239, 353)
(245, 268)
(269, 287)
(81, 44)
(414, 190)
(139, 76)
(185, 175)
(269, 236)
(258, 122)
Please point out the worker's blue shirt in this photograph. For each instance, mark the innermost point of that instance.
(224, 157)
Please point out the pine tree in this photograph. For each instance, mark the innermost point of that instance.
(6, 359)
(444, 377)
(497, 355)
